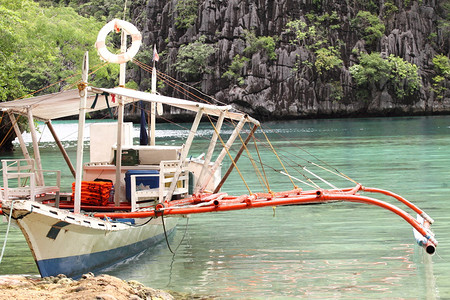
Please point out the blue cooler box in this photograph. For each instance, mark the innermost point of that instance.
(152, 182)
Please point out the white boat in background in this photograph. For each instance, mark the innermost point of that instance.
(153, 184)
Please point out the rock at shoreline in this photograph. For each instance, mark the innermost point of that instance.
(102, 287)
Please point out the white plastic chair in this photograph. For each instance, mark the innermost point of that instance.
(166, 172)
(26, 186)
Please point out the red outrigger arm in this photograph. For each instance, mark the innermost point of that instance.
(207, 202)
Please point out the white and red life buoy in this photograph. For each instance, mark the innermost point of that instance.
(130, 29)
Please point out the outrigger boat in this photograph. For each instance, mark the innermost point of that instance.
(92, 227)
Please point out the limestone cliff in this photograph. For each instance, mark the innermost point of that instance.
(299, 79)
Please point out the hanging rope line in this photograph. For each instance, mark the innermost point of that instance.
(276, 154)
(263, 183)
(266, 180)
(9, 132)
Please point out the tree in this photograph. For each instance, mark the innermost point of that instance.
(192, 58)
(394, 71)
(40, 46)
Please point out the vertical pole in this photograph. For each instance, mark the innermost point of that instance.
(118, 183)
(210, 152)
(23, 146)
(153, 107)
(81, 122)
(61, 148)
(185, 152)
(37, 155)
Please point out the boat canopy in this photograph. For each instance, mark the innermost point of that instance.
(67, 103)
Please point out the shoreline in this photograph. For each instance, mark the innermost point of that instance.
(89, 286)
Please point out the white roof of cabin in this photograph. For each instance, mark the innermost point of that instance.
(67, 103)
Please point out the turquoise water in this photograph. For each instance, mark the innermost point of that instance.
(338, 250)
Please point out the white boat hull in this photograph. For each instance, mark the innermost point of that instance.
(73, 244)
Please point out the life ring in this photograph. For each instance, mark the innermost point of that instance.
(130, 29)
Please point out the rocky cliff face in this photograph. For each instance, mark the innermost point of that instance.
(301, 80)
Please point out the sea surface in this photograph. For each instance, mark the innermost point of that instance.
(340, 250)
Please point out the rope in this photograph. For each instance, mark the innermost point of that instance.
(9, 132)
(266, 180)
(165, 234)
(231, 158)
(264, 183)
(276, 154)
(177, 85)
(315, 157)
(7, 231)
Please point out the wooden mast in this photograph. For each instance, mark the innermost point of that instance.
(81, 122)
(118, 183)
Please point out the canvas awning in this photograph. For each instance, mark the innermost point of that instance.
(54, 106)
(67, 103)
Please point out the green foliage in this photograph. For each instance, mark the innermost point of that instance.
(186, 13)
(404, 76)
(369, 5)
(337, 92)
(442, 68)
(371, 68)
(442, 65)
(301, 32)
(192, 58)
(389, 8)
(399, 74)
(327, 59)
(234, 71)
(255, 44)
(102, 10)
(314, 37)
(370, 26)
(43, 45)
(10, 86)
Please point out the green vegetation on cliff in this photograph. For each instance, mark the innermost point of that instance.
(42, 46)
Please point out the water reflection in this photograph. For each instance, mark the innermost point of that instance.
(342, 250)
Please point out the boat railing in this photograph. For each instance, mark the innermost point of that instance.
(28, 184)
(167, 169)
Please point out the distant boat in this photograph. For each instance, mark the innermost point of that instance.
(128, 197)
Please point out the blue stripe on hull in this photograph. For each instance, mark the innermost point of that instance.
(75, 266)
